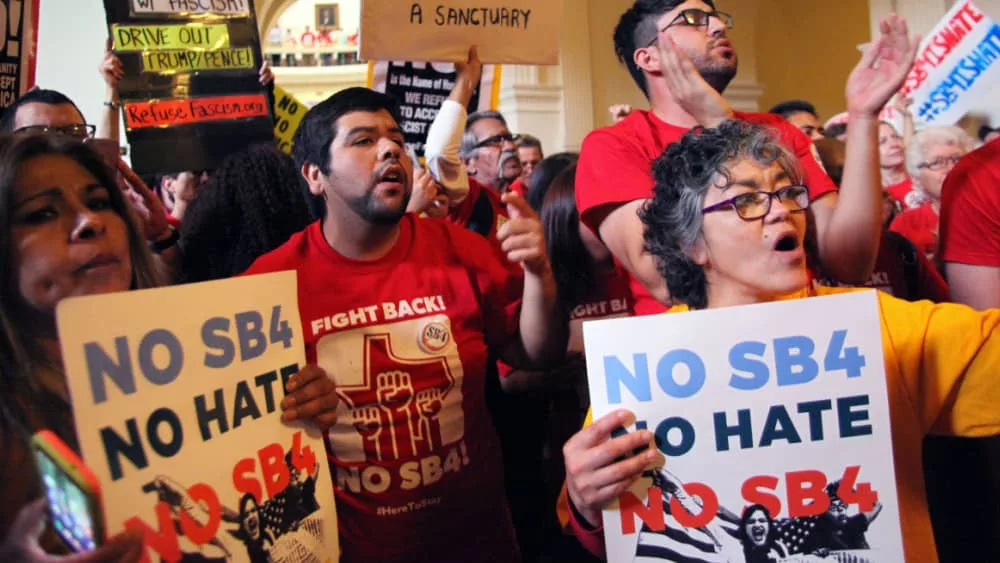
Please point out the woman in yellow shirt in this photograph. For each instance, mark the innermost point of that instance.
(727, 226)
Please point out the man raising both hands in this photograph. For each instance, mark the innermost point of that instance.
(678, 53)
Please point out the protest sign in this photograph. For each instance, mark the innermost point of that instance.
(421, 88)
(761, 405)
(191, 93)
(176, 395)
(18, 20)
(956, 66)
(288, 114)
(506, 31)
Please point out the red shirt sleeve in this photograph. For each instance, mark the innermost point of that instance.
(610, 172)
(970, 208)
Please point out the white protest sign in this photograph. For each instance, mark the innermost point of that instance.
(956, 66)
(176, 395)
(506, 31)
(760, 405)
(188, 7)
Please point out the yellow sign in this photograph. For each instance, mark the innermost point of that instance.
(131, 38)
(288, 113)
(179, 61)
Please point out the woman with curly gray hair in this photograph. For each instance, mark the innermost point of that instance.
(726, 228)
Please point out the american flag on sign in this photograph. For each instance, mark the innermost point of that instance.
(795, 532)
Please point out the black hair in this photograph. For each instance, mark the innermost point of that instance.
(833, 154)
(752, 553)
(544, 173)
(319, 128)
(250, 206)
(835, 130)
(683, 175)
(985, 130)
(636, 28)
(572, 266)
(791, 107)
(37, 96)
(526, 141)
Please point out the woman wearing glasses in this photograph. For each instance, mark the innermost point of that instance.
(931, 154)
(726, 227)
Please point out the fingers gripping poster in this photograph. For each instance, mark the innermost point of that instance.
(176, 395)
(773, 421)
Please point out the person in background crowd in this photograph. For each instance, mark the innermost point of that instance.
(802, 115)
(66, 231)
(679, 55)
(308, 38)
(726, 227)
(431, 303)
(619, 112)
(933, 152)
(252, 204)
(179, 190)
(970, 228)
(836, 131)
(988, 134)
(529, 153)
(900, 269)
(892, 160)
(546, 171)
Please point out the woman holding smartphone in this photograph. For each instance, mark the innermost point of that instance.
(66, 231)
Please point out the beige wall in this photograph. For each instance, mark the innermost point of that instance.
(806, 50)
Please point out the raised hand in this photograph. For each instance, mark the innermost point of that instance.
(155, 225)
(310, 395)
(521, 237)
(111, 67)
(882, 68)
(265, 75)
(470, 70)
(691, 91)
(594, 476)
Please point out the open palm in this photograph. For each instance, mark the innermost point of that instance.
(882, 69)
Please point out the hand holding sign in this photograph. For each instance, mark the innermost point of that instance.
(469, 72)
(597, 471)
(111, 67)
(882, 69)
(311, 396)
(521, 237)
(22, 542)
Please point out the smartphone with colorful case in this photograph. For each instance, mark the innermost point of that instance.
(72, 491)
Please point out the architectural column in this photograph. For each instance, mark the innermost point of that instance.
(531, 104)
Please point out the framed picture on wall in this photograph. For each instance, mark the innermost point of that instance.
(327, 17)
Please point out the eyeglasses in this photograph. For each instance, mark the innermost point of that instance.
(941, 163)
(496, 140)
(79, 131)
(751, 206)
(693, 17)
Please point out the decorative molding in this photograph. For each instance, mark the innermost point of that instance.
(535, 109)
(312, 84)
(744, 95)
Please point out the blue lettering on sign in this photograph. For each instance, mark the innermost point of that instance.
(793, 360)
(637, 381)
(740, 359)
(965, 74)
(662, 436)
(665, 374)
(616, 376)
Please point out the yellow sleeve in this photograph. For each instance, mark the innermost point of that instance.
(948, 360)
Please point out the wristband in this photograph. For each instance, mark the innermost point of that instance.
(159, 246)
(113, 105)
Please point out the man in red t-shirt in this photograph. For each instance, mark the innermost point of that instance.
(403, 313)
(678, 53)
(970, 228)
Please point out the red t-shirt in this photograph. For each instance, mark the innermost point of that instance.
(898, 191)
(480, 210)
(518, 187)
(615, 168)
(970, 209)
(914, 281)
(415, 459)
(612, 299)
(920, 225)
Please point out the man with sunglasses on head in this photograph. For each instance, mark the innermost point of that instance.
(678, 53)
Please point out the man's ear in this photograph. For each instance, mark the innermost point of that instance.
(647, 59)
(314, 177)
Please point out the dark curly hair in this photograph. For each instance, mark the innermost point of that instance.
(683, 175)
(251, 205)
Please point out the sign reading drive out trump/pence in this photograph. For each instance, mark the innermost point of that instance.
(506, 31)
(774, 422)
(176, 395)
